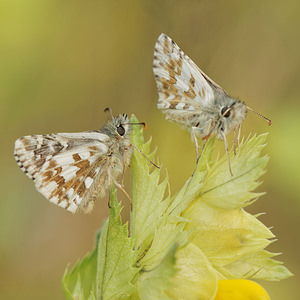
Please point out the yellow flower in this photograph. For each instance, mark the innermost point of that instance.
(240, 289)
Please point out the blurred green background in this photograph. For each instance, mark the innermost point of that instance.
(63, 62)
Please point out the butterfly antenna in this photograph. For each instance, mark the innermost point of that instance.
(268, 120)
(140, 123)
(110, 111)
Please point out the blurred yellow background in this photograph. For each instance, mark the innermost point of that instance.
(63, 62)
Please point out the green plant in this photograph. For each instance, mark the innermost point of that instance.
(180, 247)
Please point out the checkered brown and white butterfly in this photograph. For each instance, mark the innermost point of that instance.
(73, 169)
(189, 97)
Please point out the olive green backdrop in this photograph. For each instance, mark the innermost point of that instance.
(63, 62)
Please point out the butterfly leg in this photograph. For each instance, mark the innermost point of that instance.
(150, 161)
(204, 143)
(122, 189)
(123, 172)
(210, 130)
(118, 185)
(236, 139)
(196, 145)
(195, 142)
(239, 134)
(204, 140)
(227, 153)
(109, 193)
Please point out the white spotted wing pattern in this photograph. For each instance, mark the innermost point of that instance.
(73, 169)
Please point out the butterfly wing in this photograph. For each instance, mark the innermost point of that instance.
(65, 166)
(181, 84)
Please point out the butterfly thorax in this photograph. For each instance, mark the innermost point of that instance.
(119, 143)
(115, 160)
(209, 120)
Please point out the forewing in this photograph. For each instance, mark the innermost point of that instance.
(181, 84)
(64, 165)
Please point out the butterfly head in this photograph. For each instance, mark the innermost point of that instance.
(230, 116)
(119, 126)
(122, 125)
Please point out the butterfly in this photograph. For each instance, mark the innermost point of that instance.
(190, 98)
(72, 170)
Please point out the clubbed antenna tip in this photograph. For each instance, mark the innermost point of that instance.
(268, 120)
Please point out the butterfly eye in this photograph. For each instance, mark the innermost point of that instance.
(225, 112)
(121, 130)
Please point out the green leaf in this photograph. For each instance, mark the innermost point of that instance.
(80, 283)
(222, 190)
(116, 259)
(148, 207)
(230, 237)
(259, 266)
(154, 284)
(226, 235)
